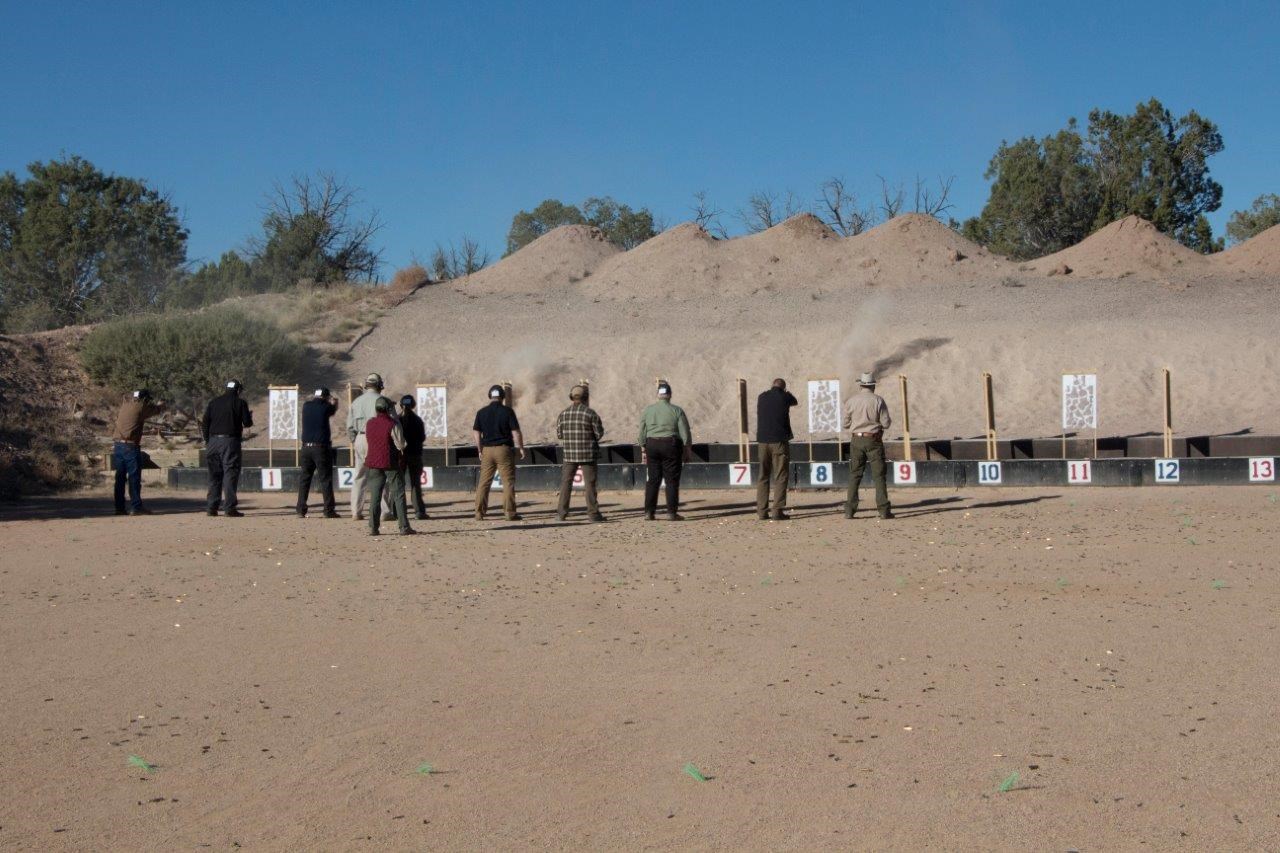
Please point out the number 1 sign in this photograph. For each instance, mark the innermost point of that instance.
(271, 480)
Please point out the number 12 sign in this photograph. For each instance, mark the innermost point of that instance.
(904, 473)
(1262, 469)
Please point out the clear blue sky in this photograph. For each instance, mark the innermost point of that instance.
(452, 116)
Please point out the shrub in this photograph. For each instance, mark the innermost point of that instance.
(187, 358)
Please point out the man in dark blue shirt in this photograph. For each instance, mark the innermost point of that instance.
(225, 420)
(415, 437)
(317, 451)
(498, 439)
(773, 437)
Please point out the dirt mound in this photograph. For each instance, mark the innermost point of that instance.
(1126, 247)
(563, 255)
(916, 248)
(1258, 255)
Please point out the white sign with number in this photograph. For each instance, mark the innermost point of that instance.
(904, 473)
(821, 474)
(427, 479)
(1262, 469)
(497, 480)
(740, 474)
(577, 477)
(1080, 472)
(990, 473)
(346, 478)
(271, 480)
(1168, 470)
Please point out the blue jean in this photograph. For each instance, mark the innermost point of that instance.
(128, 462)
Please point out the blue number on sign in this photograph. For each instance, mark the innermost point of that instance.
(820, 474)
(1167, 471)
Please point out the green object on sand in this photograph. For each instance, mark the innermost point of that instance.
(1219, 584)
(425, 769)
(141, 763)
(1062, 582)
(1009, 782)
(691, 770)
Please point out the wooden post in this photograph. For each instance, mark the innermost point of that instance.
(906, 419)
(351, 444)
(1168, 415)
(989, 405)
(743, 439)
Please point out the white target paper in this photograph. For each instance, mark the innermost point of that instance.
(824, 406)
(283, 409)
(1079, 401)
(433, 409)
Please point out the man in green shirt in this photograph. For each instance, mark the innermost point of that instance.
(664, 446)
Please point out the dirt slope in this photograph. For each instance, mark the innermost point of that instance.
(1128, 247)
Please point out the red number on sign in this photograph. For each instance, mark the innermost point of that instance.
(904, 472)
(1262, 469)
(741, 471)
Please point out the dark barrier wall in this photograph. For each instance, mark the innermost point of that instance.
(1042, 473)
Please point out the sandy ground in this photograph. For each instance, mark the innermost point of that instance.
(861, 685)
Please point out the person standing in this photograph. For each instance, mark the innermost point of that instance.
(126, 449)
(773, 448)
(866, 417)
(498, 440)
(384, 461)
(362, 411)
(317, 451)
(665, 445)
(579, 429)
(225, 419)
(415, 438)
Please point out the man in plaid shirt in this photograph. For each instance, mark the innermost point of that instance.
(579, 429)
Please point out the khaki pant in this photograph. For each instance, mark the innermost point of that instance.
(589, 471)
(864, 449)
(502, 460)
(775, 471)
(386, 484)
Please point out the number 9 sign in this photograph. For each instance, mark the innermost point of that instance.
(904, 473)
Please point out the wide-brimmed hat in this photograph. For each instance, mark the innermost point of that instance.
(866, 380)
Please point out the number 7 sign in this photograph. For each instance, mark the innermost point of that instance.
(740, 474)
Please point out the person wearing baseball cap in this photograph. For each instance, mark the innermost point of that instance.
(579, 429)
(665, 442)
(498, 440)
(866, 417)
(225, 420)
(361, 412)
(126, 450)
(385, 461)
(415, 438)
(317, 451)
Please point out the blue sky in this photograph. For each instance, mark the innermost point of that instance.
(452, 116)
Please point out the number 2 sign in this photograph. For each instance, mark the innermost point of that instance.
(904, 473)
(1262, 469)
(346, 478)
(740, 474)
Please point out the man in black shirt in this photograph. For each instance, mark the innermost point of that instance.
(773, 436)
(225, 419)
(415, 436)
(317, 451)
(498, 439)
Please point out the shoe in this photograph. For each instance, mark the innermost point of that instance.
(121, 511)
(375, 533)
(234, 513)
(887, 514)
(762, 516)
(648, 516)
(332, 514)
(562, 516)
(142, 510)
(674, 516)
(479, 516)
(359, 516)
(848, 513)
(781, 516)
(212, 512)
(388, 516)
(300, 514)
(408, 531)
(516, 517)
(595, 519)
(422, 516)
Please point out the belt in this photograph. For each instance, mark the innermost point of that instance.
(223, 435)
(130, 443)
(316, 443)
(866, 434)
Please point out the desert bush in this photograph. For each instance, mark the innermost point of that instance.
(187, 358)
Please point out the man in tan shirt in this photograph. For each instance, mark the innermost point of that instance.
(867, 417)
(127, 451)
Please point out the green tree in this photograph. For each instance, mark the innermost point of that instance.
(1051, 193)
(231, 275)
(1263, 214)
(529, 225)
(310, 230)
(78, 244)
(621, 225)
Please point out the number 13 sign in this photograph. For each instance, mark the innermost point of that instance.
(1262, 469)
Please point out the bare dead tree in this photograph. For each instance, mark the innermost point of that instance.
(840, 206)
(891, 200)
(451, 262)
(311, 223)
(707, 215)
(761, 212)
(931, 202)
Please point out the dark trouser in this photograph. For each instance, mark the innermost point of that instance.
(775, 470)
(222, 454)
(317, 460)
(864, 449)
(392, 481)
(413, 482)
(666, 459)
(589, 471)
(128, 459)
